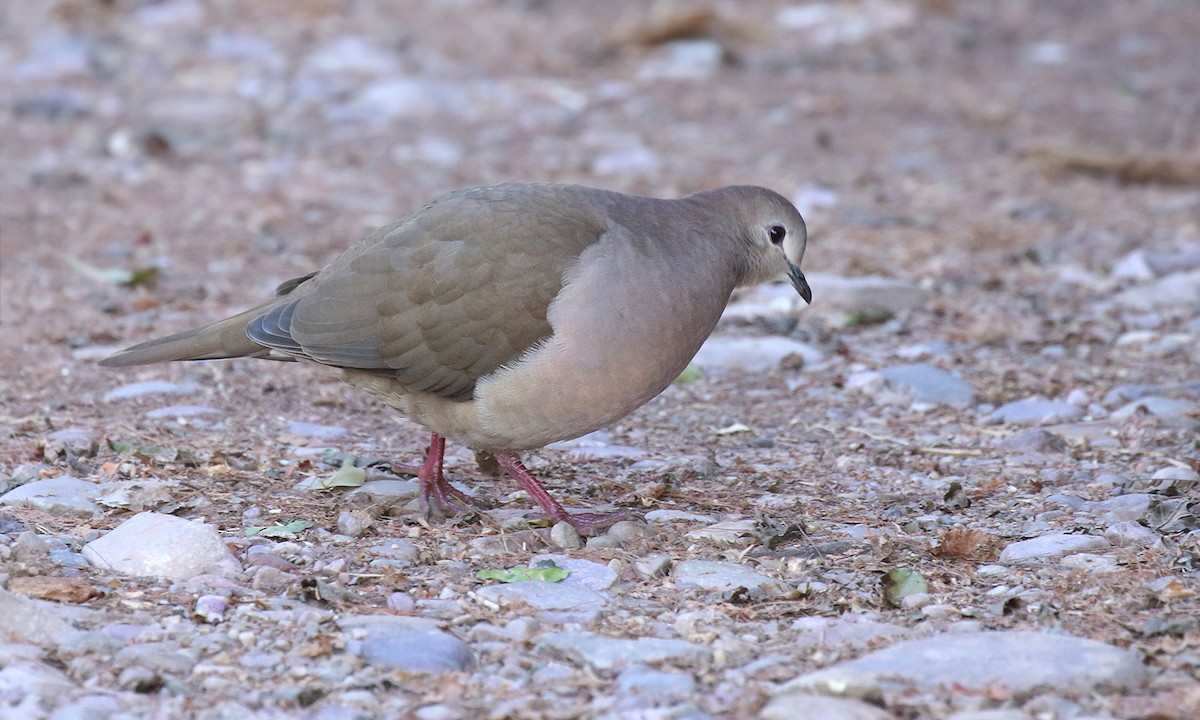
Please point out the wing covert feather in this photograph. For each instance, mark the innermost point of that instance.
(446, 295)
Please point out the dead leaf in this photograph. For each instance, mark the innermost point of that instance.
(58, 589)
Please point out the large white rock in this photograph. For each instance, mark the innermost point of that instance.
(153, 544)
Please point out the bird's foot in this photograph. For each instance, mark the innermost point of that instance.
(551, 510)
(440, 498)
(435, 495)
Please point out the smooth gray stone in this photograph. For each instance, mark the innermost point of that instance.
(63, 495)
(544, 595)
(1032, 410)
(153, 544)
(930, 384)
(1020, 661)
(728, 577)
(605, 653)
(800, 706)
(149, 387)
(1051, 546)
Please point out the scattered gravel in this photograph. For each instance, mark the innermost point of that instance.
(994, 392)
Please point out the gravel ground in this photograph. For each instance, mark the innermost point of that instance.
(962, 484)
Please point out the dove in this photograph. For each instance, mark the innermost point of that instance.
(510, 316)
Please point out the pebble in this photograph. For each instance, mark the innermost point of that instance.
(652, 566)
(1131, 534)
(70, 442)
(153, 544)
(756, 354)
(1090, 562)
(159, 657)
(315, 431)
(62, 495)
(684, 60)
(868, 294)
(727, 577)
(565, 536)
(606, 653)
(669, 516)
(385, 489)
(732, 532)
(1157, 405)
(175, 412)
(149, 387)
(1018, 661)
(1033, 410)
(1036, 441)
(1177, 290)
(640, 680)
(36, 622)
(795, 705)
(1051, 546)
(584, 573)
(409, 644)
(544, 596)
(929, 384)
(849, 630)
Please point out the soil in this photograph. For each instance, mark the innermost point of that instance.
(1002, 156)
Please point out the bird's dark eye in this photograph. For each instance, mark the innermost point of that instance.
(777, 233)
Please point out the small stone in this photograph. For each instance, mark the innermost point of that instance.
(605, 653)
(627, 531)
(1051, 546)
(1131, 534)
(868, 294)
(175, 412)
(756, 354)
(149, 387)
(408, 644)
(1019, 661)
(27, 621)
(1037, 442)
(211, 608)
(160, 657)
(1034, 410)
(644, 681)
(1176, 290)
(71, 442)
(544, 596)
(1157, 405)
(1090, 562)
(584, 573)
(153, 544)
(684, 60)
(350, 524)
(733, 532)
(728, 577)
(929, 384)
(667, 516)
(315, 431)
(836, 682)
(791, 706)
(565, 536)
(652, 566)
(63, 495)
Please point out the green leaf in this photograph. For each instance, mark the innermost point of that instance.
(284, 530)
(115, 276)
(119, 447)
(902, 582)
(546, 571)
(690, 374)
(348, 475)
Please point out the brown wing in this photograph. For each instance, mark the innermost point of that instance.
(445, 296)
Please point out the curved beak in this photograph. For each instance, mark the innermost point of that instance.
(799, 282)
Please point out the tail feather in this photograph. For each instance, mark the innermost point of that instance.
(221, 340)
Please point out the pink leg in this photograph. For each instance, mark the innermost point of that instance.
(550, 507)
(435, 493)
